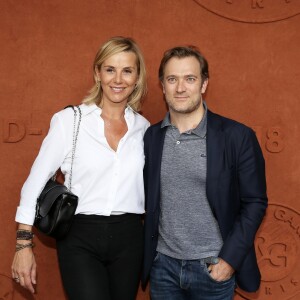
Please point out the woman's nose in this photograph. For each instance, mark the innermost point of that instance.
(118, 77)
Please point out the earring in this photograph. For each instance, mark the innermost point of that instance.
(98, 84)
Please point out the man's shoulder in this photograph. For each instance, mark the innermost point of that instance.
(227, 124)
(154, 133)
(155, 127)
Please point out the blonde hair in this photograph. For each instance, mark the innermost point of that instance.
(113, 46)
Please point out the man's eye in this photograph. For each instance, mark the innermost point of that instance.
(191, 79)
(171, 80)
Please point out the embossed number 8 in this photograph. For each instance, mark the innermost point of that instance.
(275, 142)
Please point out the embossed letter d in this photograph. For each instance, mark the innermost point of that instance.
(13, 131)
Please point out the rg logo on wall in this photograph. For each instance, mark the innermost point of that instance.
(253, 11)
(277, 248)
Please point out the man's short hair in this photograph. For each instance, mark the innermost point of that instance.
(182, 52)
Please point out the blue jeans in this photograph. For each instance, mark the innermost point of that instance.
(177, 279)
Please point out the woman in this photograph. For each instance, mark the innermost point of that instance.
(100, 258)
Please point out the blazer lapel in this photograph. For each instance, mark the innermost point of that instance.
(156, 158)
(215, 144)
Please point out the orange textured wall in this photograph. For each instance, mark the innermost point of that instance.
(46, 53)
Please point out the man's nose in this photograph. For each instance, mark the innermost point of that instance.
(180, 86)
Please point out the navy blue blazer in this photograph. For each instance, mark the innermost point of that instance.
(235, 187)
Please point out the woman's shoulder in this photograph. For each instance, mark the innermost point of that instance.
(68, 111)
(64, 113)
(140, 119)
(65, 117)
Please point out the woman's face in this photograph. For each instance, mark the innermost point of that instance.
(118, 75)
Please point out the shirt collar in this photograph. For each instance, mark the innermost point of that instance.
(166, 121)
(89, 108)
(201, 128)
(93, 108)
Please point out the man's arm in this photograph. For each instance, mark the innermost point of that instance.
(253, 202)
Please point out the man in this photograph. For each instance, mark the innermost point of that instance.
(205, 192)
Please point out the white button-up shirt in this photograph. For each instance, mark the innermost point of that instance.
(106, 181)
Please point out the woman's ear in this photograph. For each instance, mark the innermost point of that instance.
(97, 73)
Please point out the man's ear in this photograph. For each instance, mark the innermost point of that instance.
(163, 87)
(204, 86)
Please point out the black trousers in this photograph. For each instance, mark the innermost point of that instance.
(100, 259)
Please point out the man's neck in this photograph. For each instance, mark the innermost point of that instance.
(187, 121)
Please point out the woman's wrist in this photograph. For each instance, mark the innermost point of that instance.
(24, 227)
(24, 237)
(21, 246)
(24, 234)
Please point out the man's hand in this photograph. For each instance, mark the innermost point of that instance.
(221, 271)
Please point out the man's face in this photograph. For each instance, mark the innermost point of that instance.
(182, 84)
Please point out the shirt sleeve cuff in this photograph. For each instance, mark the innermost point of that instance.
(25, 215)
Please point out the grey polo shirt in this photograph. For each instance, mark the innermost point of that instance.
(187, 227)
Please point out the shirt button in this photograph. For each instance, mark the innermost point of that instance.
(178, 142)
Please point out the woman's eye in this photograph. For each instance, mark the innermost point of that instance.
(109, 70)
(127, 71)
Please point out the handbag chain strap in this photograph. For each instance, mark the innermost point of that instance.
(75, 137)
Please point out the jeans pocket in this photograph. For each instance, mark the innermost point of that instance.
(156, 257)
(214, 280)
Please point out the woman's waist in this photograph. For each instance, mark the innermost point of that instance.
(108, 207)
(98, 219)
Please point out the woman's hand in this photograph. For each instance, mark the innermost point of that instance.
(24, 266)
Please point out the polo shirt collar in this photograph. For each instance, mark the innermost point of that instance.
(201, 128)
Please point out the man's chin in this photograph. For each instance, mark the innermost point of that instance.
(183, 110)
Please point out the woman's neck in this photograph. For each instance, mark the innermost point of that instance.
(113, 112)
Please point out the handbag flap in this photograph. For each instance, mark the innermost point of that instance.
(50, 193)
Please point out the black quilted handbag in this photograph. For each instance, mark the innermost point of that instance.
(56, 204)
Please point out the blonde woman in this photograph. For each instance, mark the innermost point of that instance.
(100, 258)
